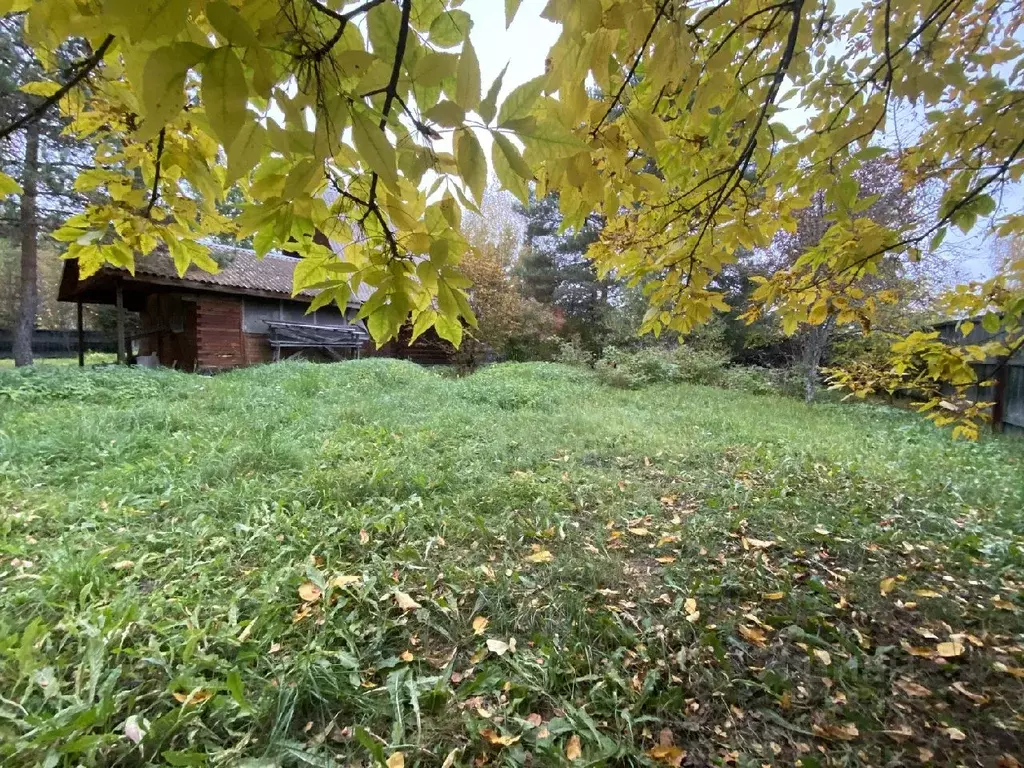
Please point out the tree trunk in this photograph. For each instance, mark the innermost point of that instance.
(815, 343)
(28, 281)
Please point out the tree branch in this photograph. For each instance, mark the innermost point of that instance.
(82, 71)
(632, 70)
(156, 178)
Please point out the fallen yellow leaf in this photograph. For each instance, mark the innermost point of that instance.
(343, 581)
(823, 656)
(479, 625)
(977, 698)
(956, 734)
(406, 655)
(950, 649)
(573, 751)
(405, 602)
(773, 595)
(397, 760)
(756, 543)
(844, 732)
(492, 737)
(639, 531)
(195, 697)
(753, 635)
(309, 592)
(668, 754)
(885, 586)
(911, 688)
(540, 556)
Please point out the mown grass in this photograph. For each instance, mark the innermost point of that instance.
(156, 529)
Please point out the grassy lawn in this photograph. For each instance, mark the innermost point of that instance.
(327, 565)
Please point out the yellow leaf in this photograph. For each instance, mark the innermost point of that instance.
(405, 602)
(540, 556)
(8, 186)
(344, 581)
(500, 647)
(225, 94)
(492, 737)
(885, 586)
(470, 160)
(977, 698)
(844, 732)
(40, 88)
(163, 82)
(956, 734)
(950, 649)
(123, 565)
(823, 656)
(375, 149)
(773, 595)
(927, 593)
(753, 635)
(406, 655)
(756, 543)
(911, 688)
(467, 78)
(397, 760)
(573, 751)
(479, 625)
(309, 592)
(667, 754)
(195, 697)
(639, 531)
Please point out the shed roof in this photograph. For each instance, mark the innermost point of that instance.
(243, 272)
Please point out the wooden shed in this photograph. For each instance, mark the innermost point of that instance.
(243, 315)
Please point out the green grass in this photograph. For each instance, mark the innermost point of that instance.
(156, 528)
(91, 358)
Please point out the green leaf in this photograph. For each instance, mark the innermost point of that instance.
(511, 153)
(375, 149)
(991, 322)
(548, 141)
(469, 157)
(149, 21)
(521, 100)
(225, 94)
(446, 113)
(229, 24)
(489, 106)
(8, 186)
(467, 78)
(508, 177)
(450, 28)
(246, 150)
(163, 81)
(434, 67)
(511, 7)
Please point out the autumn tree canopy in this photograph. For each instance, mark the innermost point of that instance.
(712, 123)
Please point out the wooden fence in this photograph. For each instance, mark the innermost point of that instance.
(1007, 391)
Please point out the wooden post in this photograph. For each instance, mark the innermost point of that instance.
(81, 338)
(120, 326)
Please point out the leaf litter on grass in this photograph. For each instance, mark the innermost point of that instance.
(645, 581)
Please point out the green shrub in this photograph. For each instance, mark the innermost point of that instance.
(573, 353)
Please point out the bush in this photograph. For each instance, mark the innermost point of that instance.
(573, 353)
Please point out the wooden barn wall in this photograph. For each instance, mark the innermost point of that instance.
(169, 330)
(219, 334)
